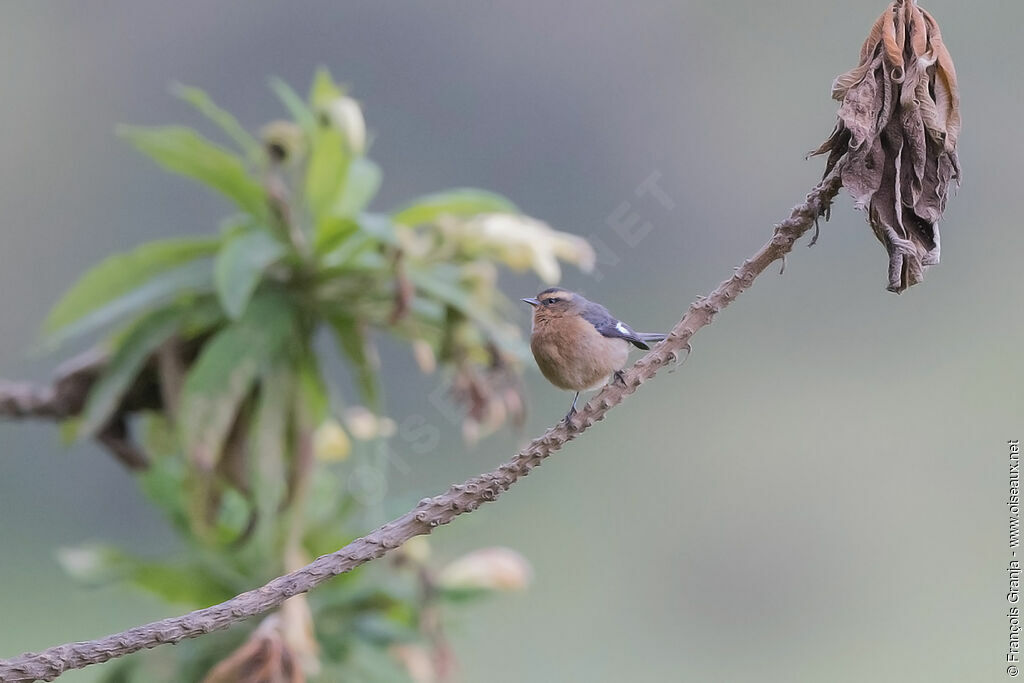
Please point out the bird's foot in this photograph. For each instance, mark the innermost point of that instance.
(572, 409)
(619, 376)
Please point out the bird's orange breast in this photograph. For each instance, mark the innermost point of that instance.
(573, 355)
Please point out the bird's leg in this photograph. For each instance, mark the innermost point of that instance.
(620, 376)
(572, 408)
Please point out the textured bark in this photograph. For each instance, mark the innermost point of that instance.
(66, 394)
(65, 397)
(58, 400)
(459, 499)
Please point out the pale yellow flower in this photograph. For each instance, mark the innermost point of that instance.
(416, 550)
(330, 442)
(521, 243)
(284, 141)
(423, 352)
(365, 426)
(494, 569)
(345, 114)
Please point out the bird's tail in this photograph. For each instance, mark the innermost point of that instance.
(651, 337)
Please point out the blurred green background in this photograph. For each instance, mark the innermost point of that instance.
(819, 493)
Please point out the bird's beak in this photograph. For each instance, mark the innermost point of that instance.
(532, 301)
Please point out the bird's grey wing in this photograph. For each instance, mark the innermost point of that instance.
(610, 326)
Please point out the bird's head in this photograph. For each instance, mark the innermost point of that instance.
(555, 302)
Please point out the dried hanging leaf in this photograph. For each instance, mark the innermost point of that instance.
(897, 130)
(264, 658)
(491, 396)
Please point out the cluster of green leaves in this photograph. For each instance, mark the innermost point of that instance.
(222, 327)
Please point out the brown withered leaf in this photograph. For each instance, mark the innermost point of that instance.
(264, 658)
(896, 134)
(491, 395)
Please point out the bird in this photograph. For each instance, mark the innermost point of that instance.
(578, 344)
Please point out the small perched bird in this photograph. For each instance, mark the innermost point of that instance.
(578, 344)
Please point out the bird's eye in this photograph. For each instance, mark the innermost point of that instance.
(548, 302)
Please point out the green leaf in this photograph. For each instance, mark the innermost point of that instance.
(234, 515)
(268, 437)
(119, 274)
(352, 340)
(298, 109)
(187, 583)
(332, 231)
(224, 119)
(380, 227)
(341, 250)
(370, 663)
(463, 595)
(505, 335)
(324, 89)
(239, 266)
(341, 258)
(121, 671)
(361, 184)
(126, 363)
(164, 480)
(463, 202)
(225, 372)
(362, 594)
(328, 164)
(236, 224)
(183, 584)
(157, 435)
(312, 393)
(204, 313)
(381, 631)
(157, 290)
(181, 150)
(429, 310)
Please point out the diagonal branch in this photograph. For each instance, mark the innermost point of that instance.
(460, 498)
(61, 399)
(65, 397)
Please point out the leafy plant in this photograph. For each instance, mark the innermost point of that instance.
(210, 355)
